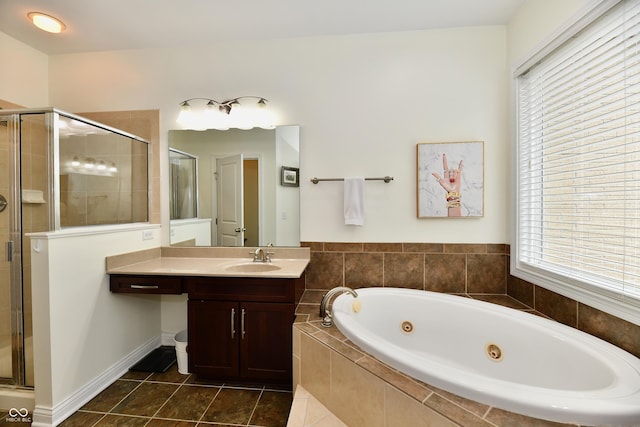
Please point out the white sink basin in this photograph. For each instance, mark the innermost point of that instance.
(252, 267)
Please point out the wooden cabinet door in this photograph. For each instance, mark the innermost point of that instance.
(266, 341)
(213, 339)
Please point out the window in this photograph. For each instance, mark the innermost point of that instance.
(578, 165)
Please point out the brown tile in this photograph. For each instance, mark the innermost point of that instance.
(485, 274)
(496, 248)
(111, 396)
(423, 247)
(301, 317)
(617, 331)
(402, 270)
(503, 418)
(154, 422)
(121, 421)
(199, 398)
(503, 300)
(557, 307)
(342, 247)
(382, 247)
(135, 375)
(455, 412)
(311, 296)
(465, 248)
(79, 419)
(520, 290)
(445, 273)
(325, 270)
(311, 311)
(314, 246)
(273, 409)
(146, 399)
(362, 270)
(308, 328)
(232, 406)
(472, 406)
(341, 347)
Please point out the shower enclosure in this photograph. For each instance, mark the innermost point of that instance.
(57, 170)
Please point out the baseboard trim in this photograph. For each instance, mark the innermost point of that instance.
(44, 416)
(169, 339)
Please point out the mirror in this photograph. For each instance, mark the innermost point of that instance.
(246, 187)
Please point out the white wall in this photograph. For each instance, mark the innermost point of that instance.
(24, 74)
(363, 103)
(535, 22)
(85, 337)
(287, 209)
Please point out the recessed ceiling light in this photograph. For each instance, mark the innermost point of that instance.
(46, 22)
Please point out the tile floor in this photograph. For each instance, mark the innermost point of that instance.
(173, 399)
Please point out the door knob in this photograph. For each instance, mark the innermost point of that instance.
(240, 229)
(3, 203)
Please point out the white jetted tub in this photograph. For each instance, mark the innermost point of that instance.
(495, 355)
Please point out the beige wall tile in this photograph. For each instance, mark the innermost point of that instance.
(403, 411)
(315, 368)
(357, 397)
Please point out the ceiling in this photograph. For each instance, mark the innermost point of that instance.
(98, 25)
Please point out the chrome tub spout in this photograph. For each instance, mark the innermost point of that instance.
(325, 314)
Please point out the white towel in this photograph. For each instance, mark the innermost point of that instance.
(354, 201)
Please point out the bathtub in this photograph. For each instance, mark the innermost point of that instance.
(495, 355)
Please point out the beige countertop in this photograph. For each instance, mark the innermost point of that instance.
(224, 262)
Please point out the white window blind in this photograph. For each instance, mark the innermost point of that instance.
(578, 165)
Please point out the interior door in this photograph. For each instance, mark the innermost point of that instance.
(230, 200)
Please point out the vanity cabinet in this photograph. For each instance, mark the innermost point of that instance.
(240, 328)
(240, 340)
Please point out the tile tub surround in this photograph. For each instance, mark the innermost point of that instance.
(337, 373)
(475, 269)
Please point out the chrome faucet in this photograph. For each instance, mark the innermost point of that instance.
(325, 314)
(260, 255)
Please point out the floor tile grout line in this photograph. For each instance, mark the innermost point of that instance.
(125, 396)
(179, 386)
(209, 406)
(255, 407)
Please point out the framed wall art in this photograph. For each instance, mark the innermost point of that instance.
(450, 181)
(290, 177)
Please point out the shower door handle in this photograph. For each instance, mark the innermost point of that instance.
(10, 251)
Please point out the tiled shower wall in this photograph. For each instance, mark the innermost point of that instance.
(146, 125)
(459, 269)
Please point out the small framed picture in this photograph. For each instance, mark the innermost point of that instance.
(290, 177)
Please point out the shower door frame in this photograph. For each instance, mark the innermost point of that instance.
(13, 254)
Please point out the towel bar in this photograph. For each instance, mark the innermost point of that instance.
(386, 179)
